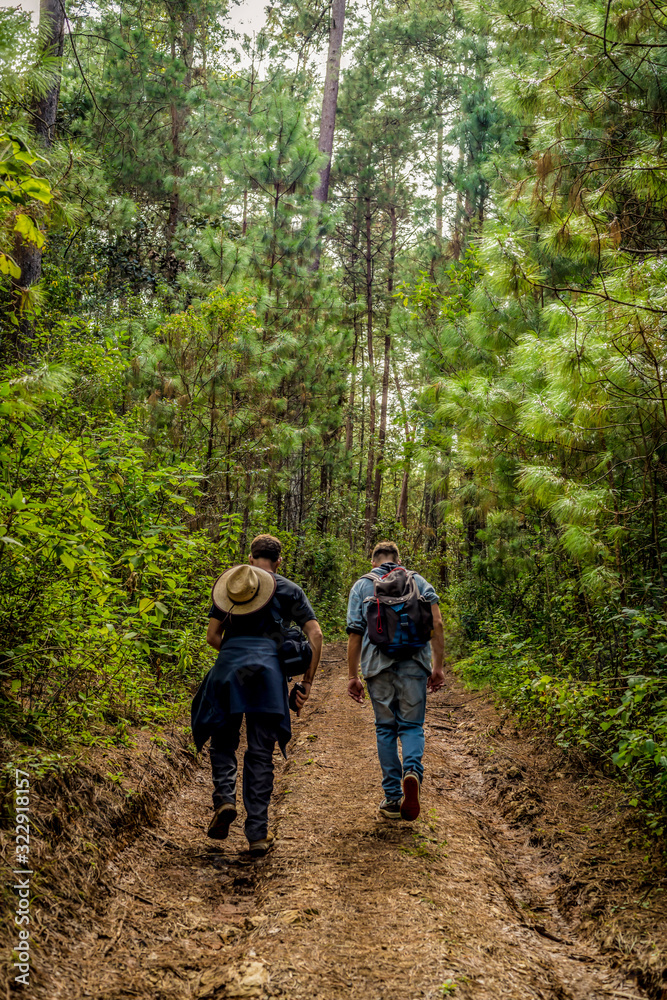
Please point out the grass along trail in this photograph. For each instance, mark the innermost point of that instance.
(466, 902)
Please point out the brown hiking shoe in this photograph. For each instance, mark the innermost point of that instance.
(258, 848)
(410, 802)
(223, 817)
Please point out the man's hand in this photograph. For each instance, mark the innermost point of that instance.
(314, 636)
(302, 697)
(436, 680)
(355, 689)
(214, 633)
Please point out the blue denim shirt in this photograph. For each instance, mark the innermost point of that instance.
(373, 660)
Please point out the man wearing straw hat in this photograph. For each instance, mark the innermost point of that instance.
(247, 679)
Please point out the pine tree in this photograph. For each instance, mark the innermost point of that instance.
(42, 112)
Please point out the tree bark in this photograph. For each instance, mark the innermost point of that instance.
(370, 467)
(179, 115)
(472, 524)
(382, 435)
(349, 432)
(439, 189)
(330, 96)
(362, 430)
(382, 431)
(250, 100)
(442, 533)
(45, 109)
(329, 105)
(459, 224)
(402, 509)
(43, 113)
(349, 426)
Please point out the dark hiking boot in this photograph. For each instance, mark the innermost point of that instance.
(390, 809)
(258, 848)
(223, 817)
(410, 800)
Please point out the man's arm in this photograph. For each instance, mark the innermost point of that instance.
(355, 688)
(315, 638)
(356, 627)
(214, 633)
(437, 678)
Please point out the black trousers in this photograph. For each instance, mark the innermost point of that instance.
(262, 733)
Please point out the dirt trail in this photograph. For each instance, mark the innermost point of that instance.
(348, 905)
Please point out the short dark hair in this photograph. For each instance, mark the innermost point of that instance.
(266, 547)
(386, 549)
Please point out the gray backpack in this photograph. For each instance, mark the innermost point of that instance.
(400, 620)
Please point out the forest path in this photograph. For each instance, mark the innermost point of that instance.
(348, 905)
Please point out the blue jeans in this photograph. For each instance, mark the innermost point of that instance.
(398, 696)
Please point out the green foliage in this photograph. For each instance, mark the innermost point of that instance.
(546, 392)
(20, 188)
(327, 569)
(104, 588)
(621, 722)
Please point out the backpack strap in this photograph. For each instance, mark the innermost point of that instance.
(373, 577)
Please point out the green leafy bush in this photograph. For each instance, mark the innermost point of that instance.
(105, 585)
(620, 721)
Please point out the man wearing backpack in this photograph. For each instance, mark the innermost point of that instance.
(394, 628)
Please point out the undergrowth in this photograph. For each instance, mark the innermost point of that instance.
(618, 717)
(107, 567)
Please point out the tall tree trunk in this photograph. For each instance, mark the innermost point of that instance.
(45, 109)
(43, 113)
(362, 430)
(442, 536)
(425, 508)
(370, 466)
(250, 100)
(472, 523)
(439, 188)
(179, 116)
(382, 431)
(330, 96)
(349, 425)
(382, 435)
(402, 508)
(329, 105)
(326, 481)
(349, 432)
(459, 225)
(246, 514)
(302, 480)
(211, 437)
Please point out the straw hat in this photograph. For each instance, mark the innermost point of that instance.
(243, 589)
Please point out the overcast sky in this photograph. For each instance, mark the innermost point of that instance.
(247, 16)
(28, 5)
